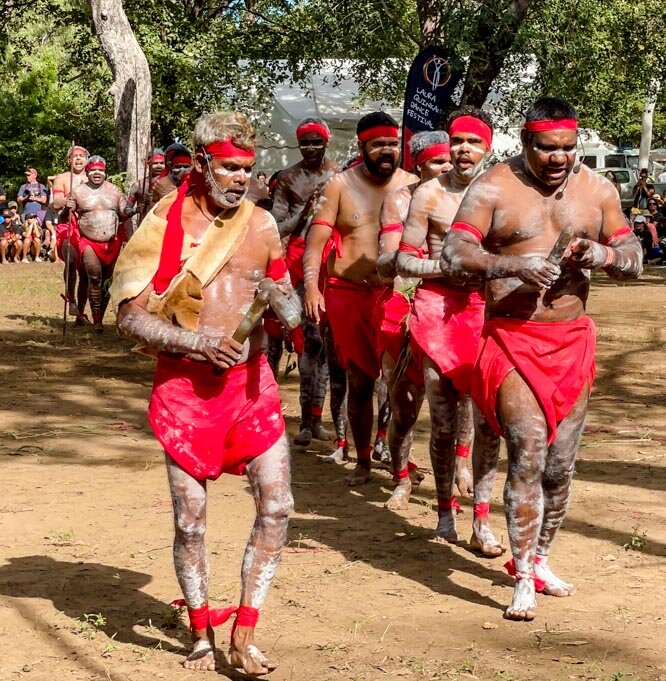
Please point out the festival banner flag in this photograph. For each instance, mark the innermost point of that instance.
(430, 84)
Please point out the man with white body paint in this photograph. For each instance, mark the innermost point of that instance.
(535, 367)
(349, 213)
(182, 285)
(445, 329)
(294, 198)
(431, 157)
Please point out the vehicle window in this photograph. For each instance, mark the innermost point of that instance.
(590, 161)
(615, 161)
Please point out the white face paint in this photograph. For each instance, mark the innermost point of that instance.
(223, 172)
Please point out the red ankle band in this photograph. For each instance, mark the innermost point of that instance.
(411, 466)
(201, 617)
(317, 411)
(364, 454)
(510, 567)
(247, 616)
(462, 451)
(448, 504)
(402, 474)
(341, 443)
(381, 435)
(481, 510)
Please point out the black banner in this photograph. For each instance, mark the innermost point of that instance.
(430, 84)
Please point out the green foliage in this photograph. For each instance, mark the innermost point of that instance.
(55, 91)
(601, 54)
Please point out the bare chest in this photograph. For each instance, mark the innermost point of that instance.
(102, 199)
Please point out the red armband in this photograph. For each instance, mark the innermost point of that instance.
(58, 191)
(391, 227)
(466, 227)
(323, 223)
(408, 248)
(616, 235)
(276, 269)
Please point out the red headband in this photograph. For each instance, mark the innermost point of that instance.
(474, 126)
(182, 159)
(227, 149)
(378, 131)
(431, 152)
(549, 124)
(156, 157)
(312, 126)
(96, 165)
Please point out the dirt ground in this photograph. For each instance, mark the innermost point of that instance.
(362, 593)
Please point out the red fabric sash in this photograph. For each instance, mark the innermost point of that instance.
(172, 245)
(466, 227)
(623, 231)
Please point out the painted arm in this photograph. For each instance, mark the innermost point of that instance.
(621, 253)
(321, 229)
(409, 262)
(462, 250)
(391, 226)
(134, 321)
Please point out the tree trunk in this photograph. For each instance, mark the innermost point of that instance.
(131, 89)
(497, 27)
(646, 126)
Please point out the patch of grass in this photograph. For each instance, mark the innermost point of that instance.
(622, 676)
(638, 540)
(504, 676)
(64, 538)
(171, 617)
(90, 625)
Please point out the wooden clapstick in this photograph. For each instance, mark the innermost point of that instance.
(255, 312)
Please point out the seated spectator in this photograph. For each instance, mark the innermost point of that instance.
(49, 238)
(649, 240)
(11, 242)
(32, 238)
(610, 176)
(32, 194)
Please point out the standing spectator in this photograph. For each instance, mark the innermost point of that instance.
(261, 179)
(662, 177)
(640, 193)
(32, 194)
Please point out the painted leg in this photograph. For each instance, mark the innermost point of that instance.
(406, 400)
(464, 437)
(361, 417)
(380, 451)
(69, 273)
(443, 402)
(560, 464)
(270, 479)
(484, 463)
(94, 273)
(318, 399)
(524, 427)
(190, 558)
(338, 385)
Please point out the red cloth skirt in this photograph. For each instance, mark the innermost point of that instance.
(61, 236)
(556, 360)
(349, 309)
(390, 321)
(294, 258)
(213, 423)
(446, 327)
(106, 251)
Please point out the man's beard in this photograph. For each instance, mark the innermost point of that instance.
(374, 166)
(216, 194)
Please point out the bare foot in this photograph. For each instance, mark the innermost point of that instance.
(416, 475)
(359, 476)
(523, 605)
(244, 654)
(483, 540)
(202, 657)
(445, 532)
(304, 438)
(554, 585)
(380, 451)
(320, 433)
(82, 320)
(73, 310)
(340, 455)
(399, 500)
(463, 478)
(99, 327)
